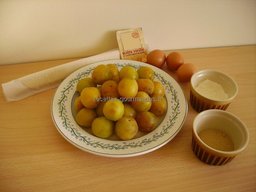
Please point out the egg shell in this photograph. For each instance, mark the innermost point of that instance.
(185, 72)
(156, 58)
(174, 60)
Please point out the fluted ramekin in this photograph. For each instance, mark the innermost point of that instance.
(228, 124)
(200, 102)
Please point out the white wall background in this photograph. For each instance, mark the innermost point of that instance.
(35, 30)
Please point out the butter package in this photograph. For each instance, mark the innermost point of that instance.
(131, 44)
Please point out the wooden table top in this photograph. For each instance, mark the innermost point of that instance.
(35, 157)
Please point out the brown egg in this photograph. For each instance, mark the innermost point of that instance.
(174, 60)
(185, 72)
(156, 58)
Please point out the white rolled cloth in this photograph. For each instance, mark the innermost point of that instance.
(42, 80)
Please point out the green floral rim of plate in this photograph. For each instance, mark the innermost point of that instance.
(62, 102)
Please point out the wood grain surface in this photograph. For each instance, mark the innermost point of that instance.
(35, 157)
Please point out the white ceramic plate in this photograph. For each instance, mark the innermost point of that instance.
(72, 132)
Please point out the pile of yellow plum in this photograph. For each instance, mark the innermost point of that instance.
(120, 102)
